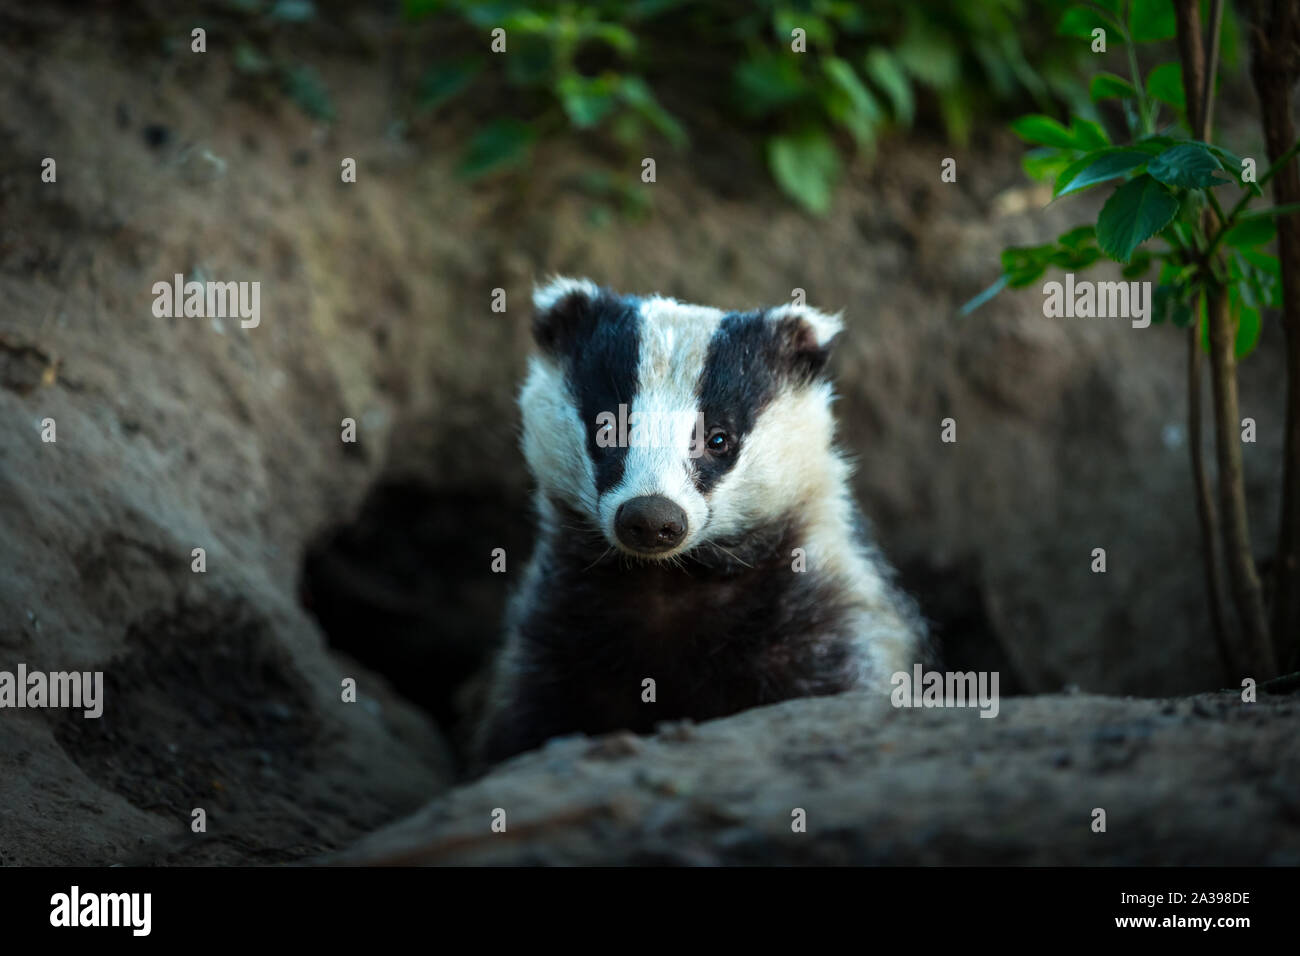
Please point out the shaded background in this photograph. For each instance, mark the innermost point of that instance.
(476, 172)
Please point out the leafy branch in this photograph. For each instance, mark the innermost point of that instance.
(1216, 272)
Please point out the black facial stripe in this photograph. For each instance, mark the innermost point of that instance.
(600, 361)
(742, 372)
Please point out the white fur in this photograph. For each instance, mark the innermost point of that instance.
(674, 342)
(545, 296)
(825, 325)
(555, 438)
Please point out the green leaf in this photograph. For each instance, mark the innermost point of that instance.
(1097, 168)
(1020, 257)
(886, 72)
(1081, 21)
(1075, 259)
(1168, 305)
(1138, 266)
(586, 100)
(499, 145)
(1037, 128)
(1245, 280)
(636, 93)
(1248, 326)
(1231, 161)
(1232, 166)
(932, 58)
(1026, 277)
(1075, 249)
(1272, 211)
(1046, 163)
(1150, 20)
(785, 20)
(806, 167)
(619, 37)
(1078, 236)
(1155, 145)
(1087, 134)
(1263, 261)
(1247, 321)
(768, 83)
(1165, 83)
(1134, 213)
(1250, 232)
(958, 111)
(842, 74)
(855, 108)
(1189, 165)
(1259, 284)
(1109, 86)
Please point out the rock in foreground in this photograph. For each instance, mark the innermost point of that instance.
(1201, 780)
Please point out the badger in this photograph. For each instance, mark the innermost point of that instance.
(708, 559)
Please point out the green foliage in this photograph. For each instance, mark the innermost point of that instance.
(1165, 84)
(1133, 214)
(1163, 184)
(1151, 20)
(805, 166)
(603, 67)
(1107, 86)
(1098, 167)
(1190, 165)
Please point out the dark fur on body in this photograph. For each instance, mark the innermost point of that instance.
(717, 632)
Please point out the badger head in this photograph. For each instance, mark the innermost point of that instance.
(670, 427)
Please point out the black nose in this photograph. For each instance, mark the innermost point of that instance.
(650, 523)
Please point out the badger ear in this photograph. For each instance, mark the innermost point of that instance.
(559, 306)
(805, 336)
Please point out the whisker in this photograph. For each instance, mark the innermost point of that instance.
(600, 559)
(734, 557)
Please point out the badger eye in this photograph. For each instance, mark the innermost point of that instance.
(719, 442)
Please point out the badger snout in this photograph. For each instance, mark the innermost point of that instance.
(650, 524)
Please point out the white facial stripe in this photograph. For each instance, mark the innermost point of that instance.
(785, 462)
(555, 440)
(674, 343)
